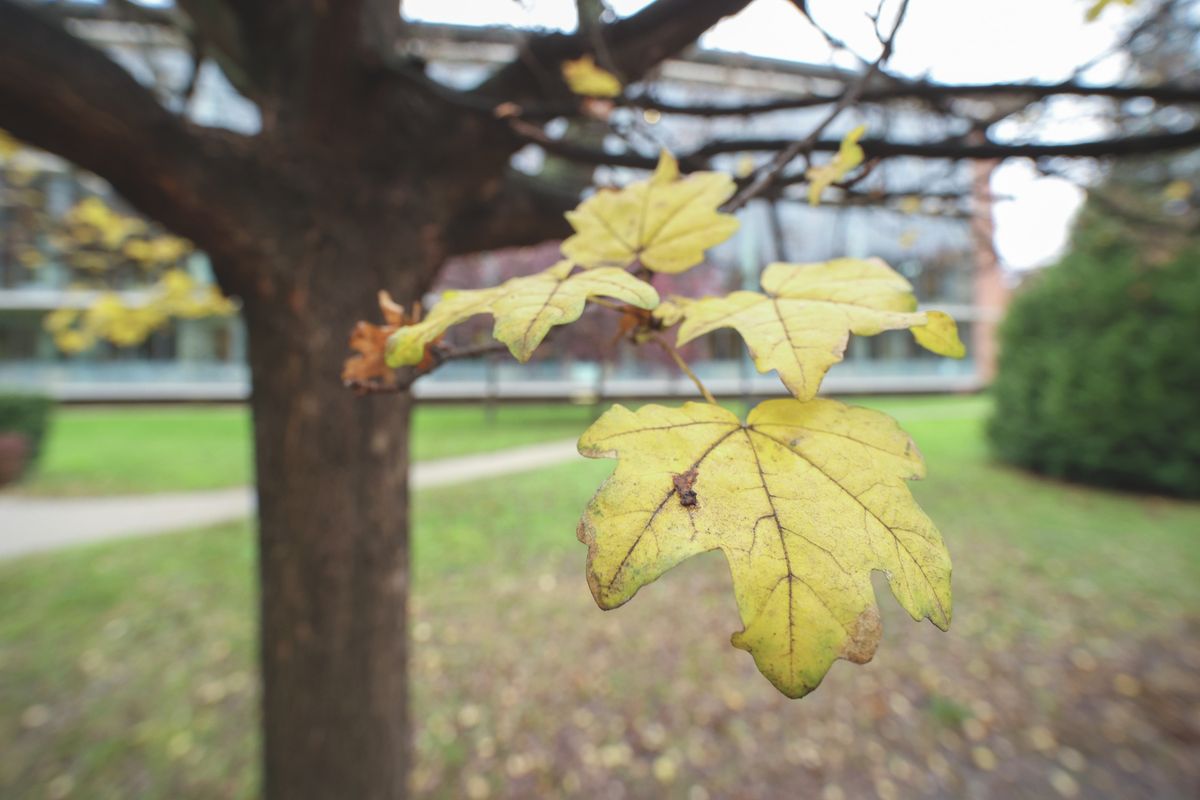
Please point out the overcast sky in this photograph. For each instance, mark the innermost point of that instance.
(961, 41)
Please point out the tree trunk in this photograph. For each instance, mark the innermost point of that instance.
(333, 522)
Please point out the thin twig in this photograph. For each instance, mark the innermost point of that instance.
(834, 42)
(662, 342)
(767, 174)
(439, 354)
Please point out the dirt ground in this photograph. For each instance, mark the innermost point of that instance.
(530, 691)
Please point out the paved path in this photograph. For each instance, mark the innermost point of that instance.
(29, 524)
(32, 524)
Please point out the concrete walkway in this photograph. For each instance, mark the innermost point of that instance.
(29, 525)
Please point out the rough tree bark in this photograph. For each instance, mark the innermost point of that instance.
(333, 472)
(333, 565)
(333, 528)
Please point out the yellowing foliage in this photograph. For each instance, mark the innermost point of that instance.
(800, 327)
(161, 250)
(663, 223)
(805, 499)
(848, 156)
(9, 146)
(111, 228)
(583, 77)
(94, 240)
(1177, 190)
(30, 258)
(525, 309)
(111, 318)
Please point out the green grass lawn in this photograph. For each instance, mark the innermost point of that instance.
(129, 666)
(98, 451)
(103, 451)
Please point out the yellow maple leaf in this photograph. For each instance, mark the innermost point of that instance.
(670, 312)
(745, 166)
(1097, 8)
(1177, 190)
(22, 175)
(800, 327)
(848, 156)
(60, 319)
(525, 309)
(112, 227)
(31, 258)
(805, 499)
(157, 251)
(73, 341)
(9, 146)
(176, 295)
(583, 77)
(664, 222)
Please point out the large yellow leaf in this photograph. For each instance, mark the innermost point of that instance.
(664, 222)
(805, 499)
(800, 327)
(525, 309)
(848, 156)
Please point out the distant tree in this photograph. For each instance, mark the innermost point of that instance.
(1097, 382)
(103, 251)
(367, 173)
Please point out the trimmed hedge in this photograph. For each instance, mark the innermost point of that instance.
(1099, 375)
(28, 415)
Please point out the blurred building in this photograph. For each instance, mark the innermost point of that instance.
(942, 243)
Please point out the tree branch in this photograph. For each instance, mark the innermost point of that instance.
(952, 149)
(763, 177)
(522, 211)
(959, 149)
(634, 44)
(61, 94)
(934, 92)
(515, 214)
(216, 25)
(407, 376)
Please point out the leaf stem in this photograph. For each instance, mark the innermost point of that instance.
(683, 365)
(600, 301)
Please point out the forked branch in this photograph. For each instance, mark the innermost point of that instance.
(762, 179)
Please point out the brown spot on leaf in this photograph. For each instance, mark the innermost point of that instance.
(683, 488)
(864, 637)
